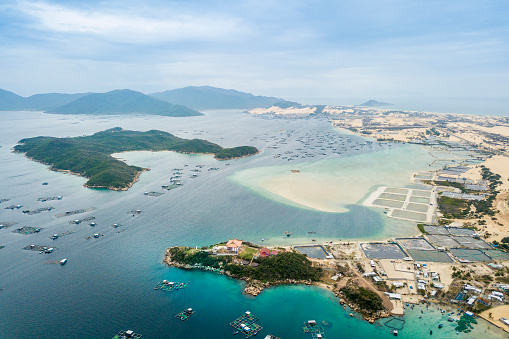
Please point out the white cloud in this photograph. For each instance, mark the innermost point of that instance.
(129, 26)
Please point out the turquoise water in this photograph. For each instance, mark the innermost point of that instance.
(107, 284)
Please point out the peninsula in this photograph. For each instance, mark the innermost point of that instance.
(90, 156)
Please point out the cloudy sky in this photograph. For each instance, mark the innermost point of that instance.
(433, 55)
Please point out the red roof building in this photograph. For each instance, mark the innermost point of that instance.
(264, 252)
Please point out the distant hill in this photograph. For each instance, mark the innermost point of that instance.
(123, 101)
(10, 101)
(206, 97)
(49, 101)
(288, 104)
(374, 103)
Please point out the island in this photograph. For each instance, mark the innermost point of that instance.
(263, 267)
(90, 156)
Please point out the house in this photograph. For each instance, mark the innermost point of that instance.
(264, 252)
(233, 245)
(272, 253)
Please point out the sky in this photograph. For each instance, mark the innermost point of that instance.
(446, 56)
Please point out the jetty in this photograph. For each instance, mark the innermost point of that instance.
(67, 213)
(184, 315)
(246, 324)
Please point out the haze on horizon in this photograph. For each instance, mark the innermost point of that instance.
(445, 56)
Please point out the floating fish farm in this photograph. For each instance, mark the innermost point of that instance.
(67, 213)
(79, 221)
(170, 286)
(312, 327)
(246, 324)
(184, 315)
(25, 230)
(37, 211)
(127, 335)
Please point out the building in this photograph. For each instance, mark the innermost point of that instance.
(233, 245)
(264, 252)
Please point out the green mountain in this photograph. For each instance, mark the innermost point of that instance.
(123, 102)
(206, 97)
(90, 156)
(49, 101)
(10, 101)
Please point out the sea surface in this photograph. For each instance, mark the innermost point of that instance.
(107, 284)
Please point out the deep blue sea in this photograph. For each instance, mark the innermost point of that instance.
(107, 284)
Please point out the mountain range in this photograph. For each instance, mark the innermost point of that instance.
(178, 102)
(206, 97)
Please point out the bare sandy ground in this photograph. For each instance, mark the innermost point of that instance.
(497, 313)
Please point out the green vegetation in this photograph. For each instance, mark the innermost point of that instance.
(189, 256)
(453, 208)
(421, 228)
(123, 102)
(206, 97)
(90, 156)
(286, 265)
(366, 299)
(236, 152)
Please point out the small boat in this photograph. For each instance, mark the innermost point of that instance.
(440, 326)
(44, 183)
(395, 333)
(63, 261)
(235, 332)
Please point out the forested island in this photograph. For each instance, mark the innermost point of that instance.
(285, 267)
(90, 156)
